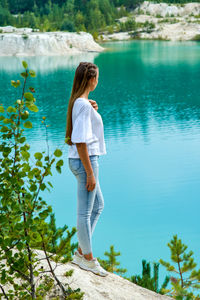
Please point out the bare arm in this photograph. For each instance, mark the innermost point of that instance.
(84, 156)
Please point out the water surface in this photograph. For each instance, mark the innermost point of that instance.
(149, 99)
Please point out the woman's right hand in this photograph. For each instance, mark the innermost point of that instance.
(91, 182)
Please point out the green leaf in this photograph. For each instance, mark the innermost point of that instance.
(20, 246)
(33, 187)
(26, 167)
(30, 174)
(32, 107)
(39, 163)
(57, 152)
(4, 129)
(38, 155)
(50, 184)
(24, 63)
(44, 214)
(24, 116)
(11, 109)
(28, 124)
(15, 83)
(1, 118)
(59, 163)
(36, 236)
(28, 96)
(1, 109)
(7, 121)
(6, 151)
(32, 73)
(24, 74)
(25, 154)
(22, 140)
(58, 169)
(43, 186)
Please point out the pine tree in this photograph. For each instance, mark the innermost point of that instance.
(4, 4)
(146, 280)
(111, 263)
(184, 264)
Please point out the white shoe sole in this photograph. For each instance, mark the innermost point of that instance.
(92, 270)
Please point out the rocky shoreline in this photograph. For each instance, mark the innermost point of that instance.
(25, 42)
(161, 21)
(153, 21)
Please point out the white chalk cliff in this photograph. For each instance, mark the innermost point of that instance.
(165, 9)
(172, 22)
(26, 43)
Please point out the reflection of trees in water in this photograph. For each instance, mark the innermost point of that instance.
(45, 64)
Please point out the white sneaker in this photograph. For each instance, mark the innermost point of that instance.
(93, 266)
(77, 257)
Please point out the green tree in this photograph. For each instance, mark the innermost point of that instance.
(107, 11)
(68, 25)
(69, 8)
(4, 4)
(186, 276)
(147, 281)
(4, 16)
(111, 264)
(23, 212)
(80, 21)
(21, 6)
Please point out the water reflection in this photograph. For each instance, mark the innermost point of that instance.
(45, 64)
(136, 89)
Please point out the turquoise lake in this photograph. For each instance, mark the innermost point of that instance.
(149, 99)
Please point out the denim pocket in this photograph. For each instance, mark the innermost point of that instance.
(74, 164)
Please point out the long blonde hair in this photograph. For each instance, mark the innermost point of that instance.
(83, 73)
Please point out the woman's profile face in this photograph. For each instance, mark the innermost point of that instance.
(94, 81)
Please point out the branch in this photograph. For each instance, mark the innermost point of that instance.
(4, 293)
(180, 272)
(52, 271)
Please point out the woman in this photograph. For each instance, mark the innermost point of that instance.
(85, 136)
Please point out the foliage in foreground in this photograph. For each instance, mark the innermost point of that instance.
(186, 278)
(147, 281)
(182, 284)
(23, 212)
(111, 264)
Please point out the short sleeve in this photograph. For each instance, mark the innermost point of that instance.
(82, 126)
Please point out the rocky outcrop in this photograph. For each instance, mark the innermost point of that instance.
(111, 287)
(162, 21)
(179, 31)
(166, 10)
(26, 43)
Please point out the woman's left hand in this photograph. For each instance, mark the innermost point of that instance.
(94, 104)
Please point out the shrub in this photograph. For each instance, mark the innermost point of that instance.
(68, 25)
(25, 36)
(23, 212)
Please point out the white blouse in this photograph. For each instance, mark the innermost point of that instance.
(87, 127)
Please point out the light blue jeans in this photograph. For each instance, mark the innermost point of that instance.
(89, 203)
